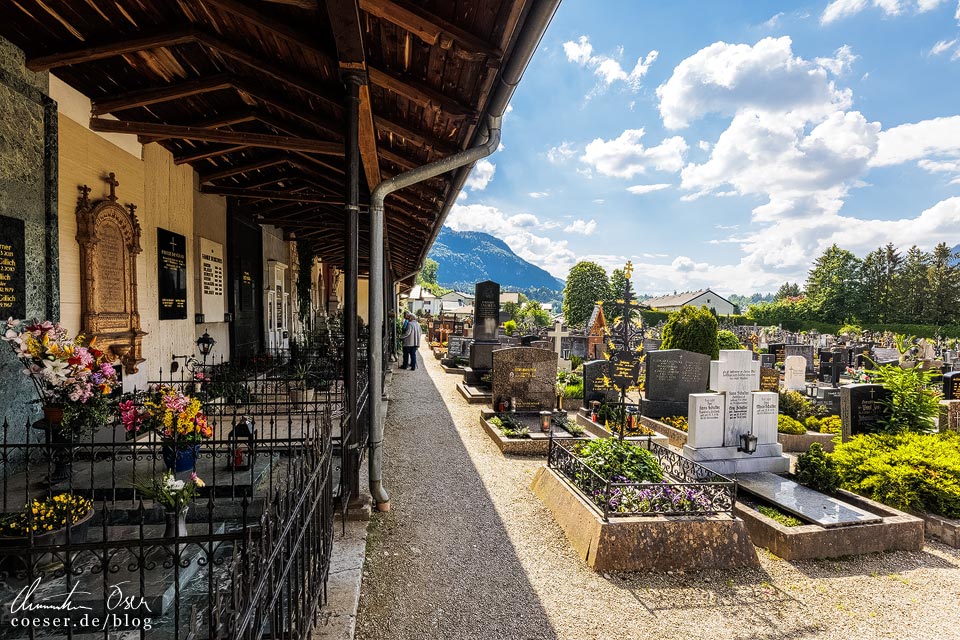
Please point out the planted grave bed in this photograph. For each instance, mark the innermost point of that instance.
(627, 506)
(521, 434)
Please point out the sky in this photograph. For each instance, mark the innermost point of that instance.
(727, 144)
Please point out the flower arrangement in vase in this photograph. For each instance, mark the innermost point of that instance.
(176, 417)
(174, 496)
(73, 380)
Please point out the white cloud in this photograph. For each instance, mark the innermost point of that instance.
(538, 194)
(839, 9)
(481, 175)
(561, 153)
(599, 201)
(842, 9)
(773, 22)
(519, 231)
(640, 189)
(704, 145)
(928, 5)
(608, 69)
(726, 78)
(841, 61)
(626, 157)
(907, 142)
(942, 46)
(583, 227)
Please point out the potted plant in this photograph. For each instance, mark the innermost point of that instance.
(73, 379)
(299, 388)
(45, 522)
(177, 418)
(174, 496)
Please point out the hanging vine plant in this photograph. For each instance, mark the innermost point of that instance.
(304, 272)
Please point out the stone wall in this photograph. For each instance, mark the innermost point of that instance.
(25, 174)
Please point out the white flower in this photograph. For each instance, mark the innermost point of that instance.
(177, 486)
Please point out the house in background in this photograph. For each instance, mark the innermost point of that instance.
(454, 300)
(419, 300)
(703, 297)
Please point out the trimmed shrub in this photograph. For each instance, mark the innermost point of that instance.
(831, 424)
(509, 327)
(786, 424)
(692, 329)
(816, 470)
(797, 406)
(611, 457)
(728, 340)
(911, 471)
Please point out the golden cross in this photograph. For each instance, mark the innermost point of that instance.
(628, 270)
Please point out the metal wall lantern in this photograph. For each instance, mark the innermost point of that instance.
(205, 344)
(748, 443)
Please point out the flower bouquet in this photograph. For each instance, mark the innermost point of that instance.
(73, 380)
(174, 496)
(177, 419)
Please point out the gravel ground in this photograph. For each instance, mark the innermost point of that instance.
(469, 552)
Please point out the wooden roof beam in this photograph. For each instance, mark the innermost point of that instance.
(214, 135)
(240, 192)
(420, 94)
(348, 35)
(208, 152)
(111, 48)
(154, 95)
(431, 29)
(244, 168)
(420, 139)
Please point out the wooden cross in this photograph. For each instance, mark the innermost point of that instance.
(84, 195)
(111, 180)
(558, 334)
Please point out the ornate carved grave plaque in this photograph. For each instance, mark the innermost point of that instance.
(13, 275)
(109, 239)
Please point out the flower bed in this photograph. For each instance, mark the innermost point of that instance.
(512, 436)
(676, 437)
(678, 487)
(640, 432)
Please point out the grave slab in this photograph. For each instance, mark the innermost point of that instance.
(804, 502)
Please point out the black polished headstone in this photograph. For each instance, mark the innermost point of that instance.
(171, 275)
(13, 274)
(779, 350)
(951, 385)
(486, 310)
(597, 384)
(671, 376)
(862, 408)
(804, 350)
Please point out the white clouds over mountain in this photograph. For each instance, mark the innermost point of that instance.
(626, 157)
(481, 175)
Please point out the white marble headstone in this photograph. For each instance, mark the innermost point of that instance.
(765, 408)
(794, 373)
(737, 375)
(705, 420)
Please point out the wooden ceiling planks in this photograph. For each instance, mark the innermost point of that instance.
(228, 84)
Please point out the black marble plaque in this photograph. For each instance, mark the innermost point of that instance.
(862, 408)
(779, 350)
(951, 385)
(172, 275)
(486, 310)
(674, 374)
(597, 384)
(13, 274)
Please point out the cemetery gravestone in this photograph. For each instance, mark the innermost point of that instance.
(769, 379)
(862, 408)
(597, 384)
(671, 376)
(525, 378)
(779, 351)
(486, 315)
(705, 420)
(768, 360)
(651, 344)
(794, 373)
(803, 350)
(737, 375)
(951, 385)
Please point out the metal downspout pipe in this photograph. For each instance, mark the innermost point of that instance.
(460, 159)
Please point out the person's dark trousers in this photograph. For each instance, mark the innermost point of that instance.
(409, 356)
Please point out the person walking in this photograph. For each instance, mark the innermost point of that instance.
(411, 341)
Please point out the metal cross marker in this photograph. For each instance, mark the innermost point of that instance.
(173, 244)
(111, 180)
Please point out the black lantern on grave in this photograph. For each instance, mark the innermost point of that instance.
(748, 443)
(205, 344)
(242, 442)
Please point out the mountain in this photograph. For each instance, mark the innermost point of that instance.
(469, 257)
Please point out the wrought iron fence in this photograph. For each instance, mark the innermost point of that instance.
(690, 489)
(254, 557)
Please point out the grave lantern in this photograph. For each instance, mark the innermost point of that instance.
(748, 443)
(594, 409)
(545, 421)
(811, 389)
(242, 441)
(205, 344)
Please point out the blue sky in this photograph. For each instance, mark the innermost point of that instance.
(726, 144)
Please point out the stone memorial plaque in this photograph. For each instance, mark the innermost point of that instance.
(803, 350)
(769, 379)
(795, 373)
(951, 385)
(13, 274)
(737, 374)
(651, 344)
(526, 378)
(705, 420)
(624, 369)
(454, 346)
(952, 416)
(597, 384)
(768, 360)
(861, 408)
(212, 299)
(804, 502)
(542, 344)
(830, 399)
(674, 374)
(171, 275)
(765, 406)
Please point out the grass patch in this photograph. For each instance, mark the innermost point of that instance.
(775, 514)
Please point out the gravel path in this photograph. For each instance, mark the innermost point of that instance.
(469, 552)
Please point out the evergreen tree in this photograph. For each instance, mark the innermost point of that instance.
(618, 288)
(943, 287)
(912, 287)
(879, 274)
(587, 284)
(787, 290)
(692, 329)
(833, 285)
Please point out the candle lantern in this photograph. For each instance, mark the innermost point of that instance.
(545, 421)
(242, 442)
(748, 443)
(594, 409)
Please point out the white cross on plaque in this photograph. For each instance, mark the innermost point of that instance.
(558, 334)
